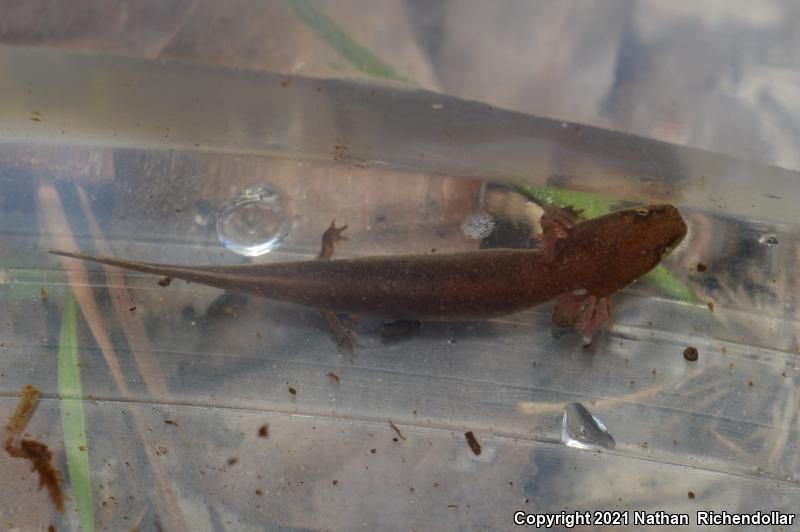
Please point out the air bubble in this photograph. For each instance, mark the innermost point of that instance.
(478, 225)
(254, 222)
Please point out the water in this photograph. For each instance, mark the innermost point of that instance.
(582, 430)
(253, 222)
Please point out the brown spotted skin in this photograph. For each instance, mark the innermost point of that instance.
(607, 254)
(601, 256)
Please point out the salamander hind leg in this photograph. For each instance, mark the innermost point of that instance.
(584, 312)
(345, 338)
(330, 237)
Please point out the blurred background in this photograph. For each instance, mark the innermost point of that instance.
(719, 76)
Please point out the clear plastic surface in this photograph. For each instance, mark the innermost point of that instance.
(174, 406)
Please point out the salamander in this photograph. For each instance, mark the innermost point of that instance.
(579, 264)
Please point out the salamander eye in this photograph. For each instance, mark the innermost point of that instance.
(642, 211)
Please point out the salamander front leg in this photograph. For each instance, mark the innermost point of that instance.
(557, 224)
(559, 221)
(344, 337)
(584, 312)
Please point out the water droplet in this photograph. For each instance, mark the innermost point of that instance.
(478, 225)
(768, 240)
(582, 430)
(253, 222)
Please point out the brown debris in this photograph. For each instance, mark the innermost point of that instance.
(37, 452)
(394, 427)
(701, 267)
(171, 422)
(339, 150)
(25, 407)
(43, 294)
(292, 390)
(164, 281)
(263, 431)
(473, 442)
(40, 457)
(690, 354)
(334, 376)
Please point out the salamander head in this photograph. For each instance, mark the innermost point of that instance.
(655, 229)
(625, 245)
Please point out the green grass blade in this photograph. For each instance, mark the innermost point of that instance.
(72, 416)
(671, 285)
(355, 54)
(594, 206)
